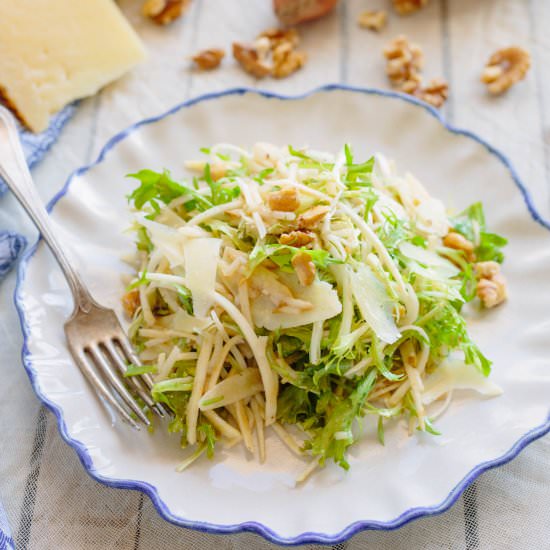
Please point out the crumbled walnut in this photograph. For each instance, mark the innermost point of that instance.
(491, 286)
(304, 268)
(209, 59)
(286, 60)
(458, 242)
(251, 58)
(492, 292)
(435, 93)
(285, 200)
(280, 36)
(403, 69)
(130, 302)
(263, 46)
(163, 12)
(373, 20)
(412, 85)
(292, 12)
(310, 218)
(504, 68)
(487, 270)
(404, 60)
(273, 53)
(296, 238)
(405, 7)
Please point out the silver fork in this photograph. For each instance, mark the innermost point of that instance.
(95, 337)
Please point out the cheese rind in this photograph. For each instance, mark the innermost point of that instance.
(55, 51)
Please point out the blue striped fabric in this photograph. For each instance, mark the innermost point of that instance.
(35, 145)
(6, 541)
(11, 244)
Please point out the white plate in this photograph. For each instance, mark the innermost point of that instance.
(386, 486)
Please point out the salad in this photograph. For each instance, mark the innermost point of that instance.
(307, 293)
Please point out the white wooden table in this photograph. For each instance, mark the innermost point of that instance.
(49, 499)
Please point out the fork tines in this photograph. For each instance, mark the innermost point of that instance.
(102, 351)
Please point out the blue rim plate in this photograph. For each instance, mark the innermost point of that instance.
(352, 98)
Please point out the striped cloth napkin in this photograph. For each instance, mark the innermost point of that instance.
(6, 541)
(11, 244)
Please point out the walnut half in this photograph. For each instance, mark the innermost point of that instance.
(459, 242)
(163, 12)
(373, 20)
(406, 7)
(492, 292)
(296, 238)
(491, 286)
(312, 217)
(252, 59)
(285, 200)
(279, 36)
(487, 270)
(272, 53)
(435, 93)
(286, 60)
(207, 60)
(504, 68)
(405, 60)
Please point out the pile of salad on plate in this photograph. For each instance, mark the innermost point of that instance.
(292, 288)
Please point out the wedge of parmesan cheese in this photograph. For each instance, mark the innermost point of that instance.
(55, 51)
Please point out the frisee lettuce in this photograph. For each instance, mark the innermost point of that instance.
(283, 254)
(158, 187)
(471, 224)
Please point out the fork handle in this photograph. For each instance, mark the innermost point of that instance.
(15, 172)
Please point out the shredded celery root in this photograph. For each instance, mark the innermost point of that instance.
(279, 288)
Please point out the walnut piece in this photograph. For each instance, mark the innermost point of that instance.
(286, 60)
(296, 238)
(130, 302)
(207, 60)
(310, 218)
(404, 63)
(411, 86)
(491, 286)
(492, 292)
(458, 242)
(435, 93)
(163, 12)
(292, 12)
(406, 7)
(285, 200)
(272, 53)
(251, 59)
(373, 20)
(405, 60)
(487, 270)
(279, 36)
(304, 268)
(504, 68)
